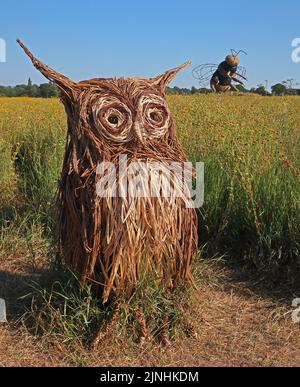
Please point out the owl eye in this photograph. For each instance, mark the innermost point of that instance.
(156, 115)
(112, 119)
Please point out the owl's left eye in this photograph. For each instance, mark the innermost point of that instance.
(156, 115)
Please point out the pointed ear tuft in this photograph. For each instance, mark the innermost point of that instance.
(163, 80)
(66, 85)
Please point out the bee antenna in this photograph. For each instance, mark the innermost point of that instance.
(236, 53)
(243, 52)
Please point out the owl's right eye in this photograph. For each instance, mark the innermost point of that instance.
(113, 119)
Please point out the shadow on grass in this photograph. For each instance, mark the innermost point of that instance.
(13, 286)
(49, 301)
(282, 289)
(230, 272)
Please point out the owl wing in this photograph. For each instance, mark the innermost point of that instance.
(204, 72)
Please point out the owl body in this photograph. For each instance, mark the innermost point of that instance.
(115, 238)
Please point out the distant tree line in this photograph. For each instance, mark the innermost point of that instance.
(186, 91)
(49, 90)
(278, 89)
(45, 90)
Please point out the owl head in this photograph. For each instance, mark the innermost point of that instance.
(119, 112)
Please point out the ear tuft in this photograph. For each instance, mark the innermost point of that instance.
(66, 85)
(165, 79)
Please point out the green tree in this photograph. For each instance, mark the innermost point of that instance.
(279, 89)
(261, 90)
(29, 88)
(21, 91)
(48, 90)
(242, 89)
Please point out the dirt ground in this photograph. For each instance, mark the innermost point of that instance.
(239, 325)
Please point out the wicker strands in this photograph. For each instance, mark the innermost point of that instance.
(112, 240)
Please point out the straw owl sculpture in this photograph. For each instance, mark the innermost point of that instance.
(114, 240)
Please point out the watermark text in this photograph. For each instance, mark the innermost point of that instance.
(296, 312)
(2, 51)
(296, 51)
(151, 179)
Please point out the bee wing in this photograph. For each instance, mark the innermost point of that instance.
(204, 72)
(241, 73)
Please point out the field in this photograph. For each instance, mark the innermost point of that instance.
(249, 228)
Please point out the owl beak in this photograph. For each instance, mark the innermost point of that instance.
(138, 130)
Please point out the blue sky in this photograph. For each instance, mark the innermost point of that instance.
(85, 39)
